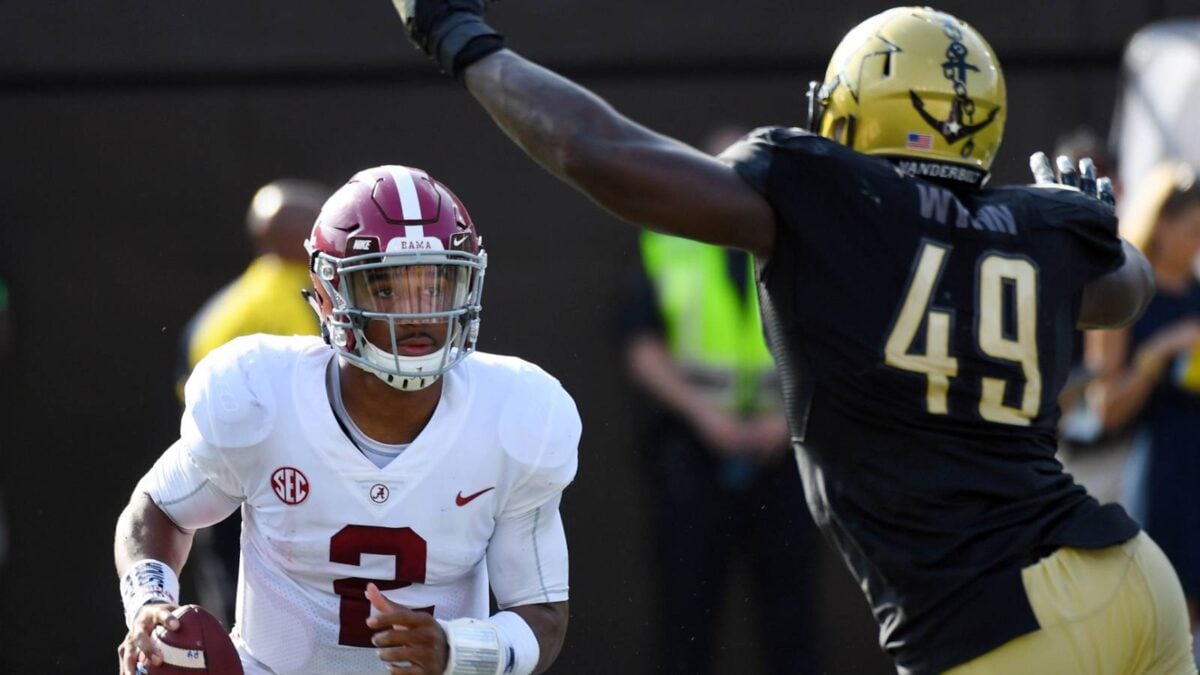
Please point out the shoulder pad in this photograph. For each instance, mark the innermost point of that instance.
(782, 135)
(539, 424)
(1086, 226)
(752, 143)
(230, 401)
(753, 155)
(1062, 206)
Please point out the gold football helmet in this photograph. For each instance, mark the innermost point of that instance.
(919, 86)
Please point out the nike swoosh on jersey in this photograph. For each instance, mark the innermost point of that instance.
(462, 501)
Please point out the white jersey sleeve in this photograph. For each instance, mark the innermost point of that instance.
(189, 497)
(230, 405)
(230, 402)
(540, 430)
(527, 555)
(203, 477)
(527, 558)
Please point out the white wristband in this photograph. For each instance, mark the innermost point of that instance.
(502, 645)
(474, 647)
(147, 581)
(524, 652)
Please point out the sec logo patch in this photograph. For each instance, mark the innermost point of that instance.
(290, 485)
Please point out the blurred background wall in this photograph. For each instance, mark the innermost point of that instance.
(133, 134)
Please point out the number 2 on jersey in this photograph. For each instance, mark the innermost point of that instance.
(1019, 345)
(347, 547)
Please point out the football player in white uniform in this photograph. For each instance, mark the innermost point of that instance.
(383, 491)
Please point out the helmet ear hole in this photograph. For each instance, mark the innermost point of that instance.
(842, 131)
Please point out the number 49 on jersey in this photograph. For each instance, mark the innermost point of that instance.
(934, 360)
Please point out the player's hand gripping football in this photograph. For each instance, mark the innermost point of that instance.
(1084, 180)
(139, 645)
(407, 641)
(451, 32)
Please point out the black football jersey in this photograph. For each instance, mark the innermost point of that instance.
(922, 335)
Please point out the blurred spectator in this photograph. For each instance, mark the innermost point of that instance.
(264, 299)
(1142, 371)
(1158, 98)
(719, 454)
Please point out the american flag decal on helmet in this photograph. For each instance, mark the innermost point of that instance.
(917, 141)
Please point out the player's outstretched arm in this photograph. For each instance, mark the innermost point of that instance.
(639, 175)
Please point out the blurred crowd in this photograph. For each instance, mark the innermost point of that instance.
(1131, 422)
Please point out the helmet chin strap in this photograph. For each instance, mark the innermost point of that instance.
(376, 356)
(406, 383)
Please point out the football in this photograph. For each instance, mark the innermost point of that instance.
(201, 645)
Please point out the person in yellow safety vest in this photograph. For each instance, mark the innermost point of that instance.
(265, 298)
(712, 325)
(718, 455)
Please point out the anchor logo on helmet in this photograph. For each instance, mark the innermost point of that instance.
(955, 69)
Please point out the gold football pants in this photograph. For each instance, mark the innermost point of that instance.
(1110, 611)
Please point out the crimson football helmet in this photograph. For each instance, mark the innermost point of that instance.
(398, 270)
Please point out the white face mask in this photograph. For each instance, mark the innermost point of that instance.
(406, 302)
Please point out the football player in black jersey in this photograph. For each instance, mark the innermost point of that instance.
(922, 325)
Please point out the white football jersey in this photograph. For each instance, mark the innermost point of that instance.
(321, 520)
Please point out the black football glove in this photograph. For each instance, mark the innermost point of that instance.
(451, 32)
(1084, 180)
